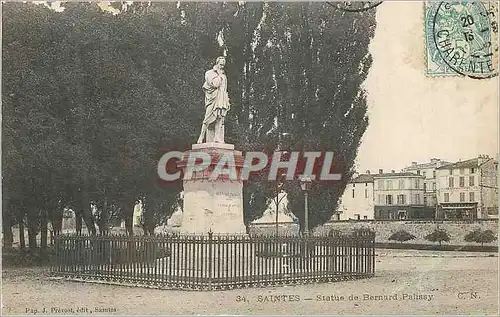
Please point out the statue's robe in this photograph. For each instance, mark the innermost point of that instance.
(216, 97)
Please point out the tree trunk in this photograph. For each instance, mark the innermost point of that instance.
(128, 226)
(8, 235)
(104, 225)
(43, 229)
(78, 222)
(32, 230)
(127, 207)
(22, 241)
(56, 220)
(149, 221)
(33, 227)
(87, 213)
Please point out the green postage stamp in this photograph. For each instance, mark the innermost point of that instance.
(462, 39)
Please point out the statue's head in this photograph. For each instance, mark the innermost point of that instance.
(221, 61)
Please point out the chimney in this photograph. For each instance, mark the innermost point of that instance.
(482, 158)
(413, 163)
(368, 172)
(380, 171)
(435, 160)
(392, 171)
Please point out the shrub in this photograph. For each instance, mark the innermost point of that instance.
(336, 233)
(439, 236)
(480, 236)
(401, 236)
(361, 231)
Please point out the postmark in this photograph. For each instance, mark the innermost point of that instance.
(461, 39)
(355, 6)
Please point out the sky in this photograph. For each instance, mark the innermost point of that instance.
(413, 117)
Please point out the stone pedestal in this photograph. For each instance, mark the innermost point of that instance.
(213, 204)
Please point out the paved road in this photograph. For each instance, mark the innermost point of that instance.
(429, 283)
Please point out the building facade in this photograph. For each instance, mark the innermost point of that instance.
(468, 189)
(357, 201)
(400, 196)
(428, 171)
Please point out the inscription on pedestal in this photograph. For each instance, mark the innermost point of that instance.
(228, 202)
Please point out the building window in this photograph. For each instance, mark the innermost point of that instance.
(472, 170)
(366, 193)
(433, 186)
(423, 174)
(401, 184)
(365, 217)
(353, 193)
(366, 184)
(451, 172)
(425, 187)
(425, 201)
(402, 214)
(401, 199)
(446, 197)
(357, 216)
(380, 184)
(462, 197)
(417, 199)
(462, 171)
(380, 199)
(450, 182)
(417, 184)
(418, 172)
(462, 181)
(433, 174)
(389, 184)
(471, 180)
(471, 196)
(388, 199)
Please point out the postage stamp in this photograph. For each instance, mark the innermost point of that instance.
(461, 39)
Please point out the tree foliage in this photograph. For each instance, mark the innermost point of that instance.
(401, 236)
(480, 236)
(91, 101)
(439, 236)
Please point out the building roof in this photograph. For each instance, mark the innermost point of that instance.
(462, 164)
(363, 178)
(427, 165)
(397, 175)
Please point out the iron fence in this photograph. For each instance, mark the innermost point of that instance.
(208, 262)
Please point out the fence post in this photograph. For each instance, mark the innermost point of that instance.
(373, 253)
(210, 259)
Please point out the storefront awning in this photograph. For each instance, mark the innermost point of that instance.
(459, 207)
